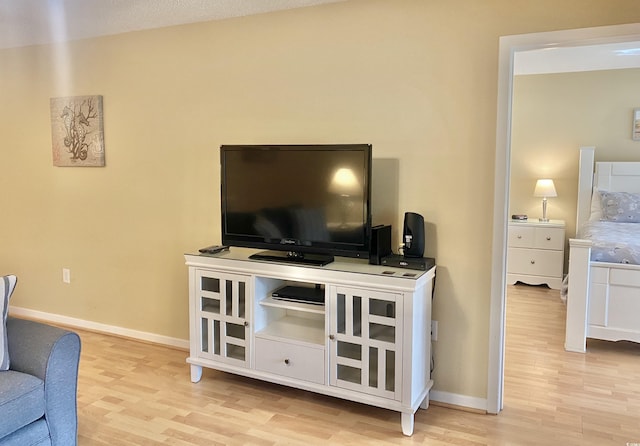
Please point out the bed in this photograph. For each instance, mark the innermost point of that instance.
(603, 296)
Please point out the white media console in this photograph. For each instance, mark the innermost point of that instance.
(369, 343)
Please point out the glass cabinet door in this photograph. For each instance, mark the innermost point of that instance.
(223, 322)
(365, 343)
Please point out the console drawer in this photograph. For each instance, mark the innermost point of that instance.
(290, 360)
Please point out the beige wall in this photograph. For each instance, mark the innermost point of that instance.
(556, 114)
(415, 78)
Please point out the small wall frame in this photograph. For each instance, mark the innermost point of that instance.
(77, 133)
(636, 125)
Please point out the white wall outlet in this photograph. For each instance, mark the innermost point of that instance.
(434, 330)
(66, 275)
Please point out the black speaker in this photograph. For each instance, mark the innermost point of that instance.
(380, 244)
(413, 235)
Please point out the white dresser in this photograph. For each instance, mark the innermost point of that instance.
(535, 254)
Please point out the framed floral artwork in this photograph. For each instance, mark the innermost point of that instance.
(77, 132)
(636, 124)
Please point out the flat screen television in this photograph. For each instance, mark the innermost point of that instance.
(300, 203)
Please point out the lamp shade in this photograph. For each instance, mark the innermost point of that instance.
(545, 188)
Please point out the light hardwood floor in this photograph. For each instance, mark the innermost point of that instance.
(132, 393)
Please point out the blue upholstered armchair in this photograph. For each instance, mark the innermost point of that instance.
(38, 394)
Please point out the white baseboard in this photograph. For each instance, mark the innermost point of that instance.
(434, 395)
(458, 400)
(101, 328)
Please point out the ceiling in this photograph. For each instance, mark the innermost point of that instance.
(32, 22)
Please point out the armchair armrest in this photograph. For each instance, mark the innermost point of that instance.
(53, 355)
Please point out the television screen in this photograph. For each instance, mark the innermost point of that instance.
(297, 200)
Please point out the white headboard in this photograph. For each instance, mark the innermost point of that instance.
(618, 177)
(612, 176)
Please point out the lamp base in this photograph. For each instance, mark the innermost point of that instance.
(544, 210)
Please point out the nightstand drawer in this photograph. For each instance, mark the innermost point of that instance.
(521, 236)
(549, 238)
(290, 360)
(535, 262)
(535, 237)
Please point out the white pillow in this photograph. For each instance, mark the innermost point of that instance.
(596, 206)
(7, 285)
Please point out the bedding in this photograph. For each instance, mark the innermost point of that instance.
(613, 242)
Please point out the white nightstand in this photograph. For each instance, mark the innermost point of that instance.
(536, 252)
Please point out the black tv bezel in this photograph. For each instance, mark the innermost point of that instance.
(322, 253)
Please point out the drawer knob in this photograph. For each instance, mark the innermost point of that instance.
(548, 238)
(286, 361)
(533, 262)
(519, 236)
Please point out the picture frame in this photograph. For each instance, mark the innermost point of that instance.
(636, 125)
(77, 131)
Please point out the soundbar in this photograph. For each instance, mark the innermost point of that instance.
(293, 257)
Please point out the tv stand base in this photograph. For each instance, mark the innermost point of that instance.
(369, 343)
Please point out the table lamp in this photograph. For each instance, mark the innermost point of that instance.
(544, 188)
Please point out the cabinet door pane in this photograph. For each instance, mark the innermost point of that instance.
(204, 336)
(229, 297)
(349, 350)
(341, 313)
(210, 305)
(242, 299)
(357, 316)
(384, 308)
(216, 337)
(373, 367)
(390, 361)
(349, 374)
(382, 332)
(235, 331)
(210, 284)
(235, 352)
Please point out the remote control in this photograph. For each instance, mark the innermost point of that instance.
(213, 249)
